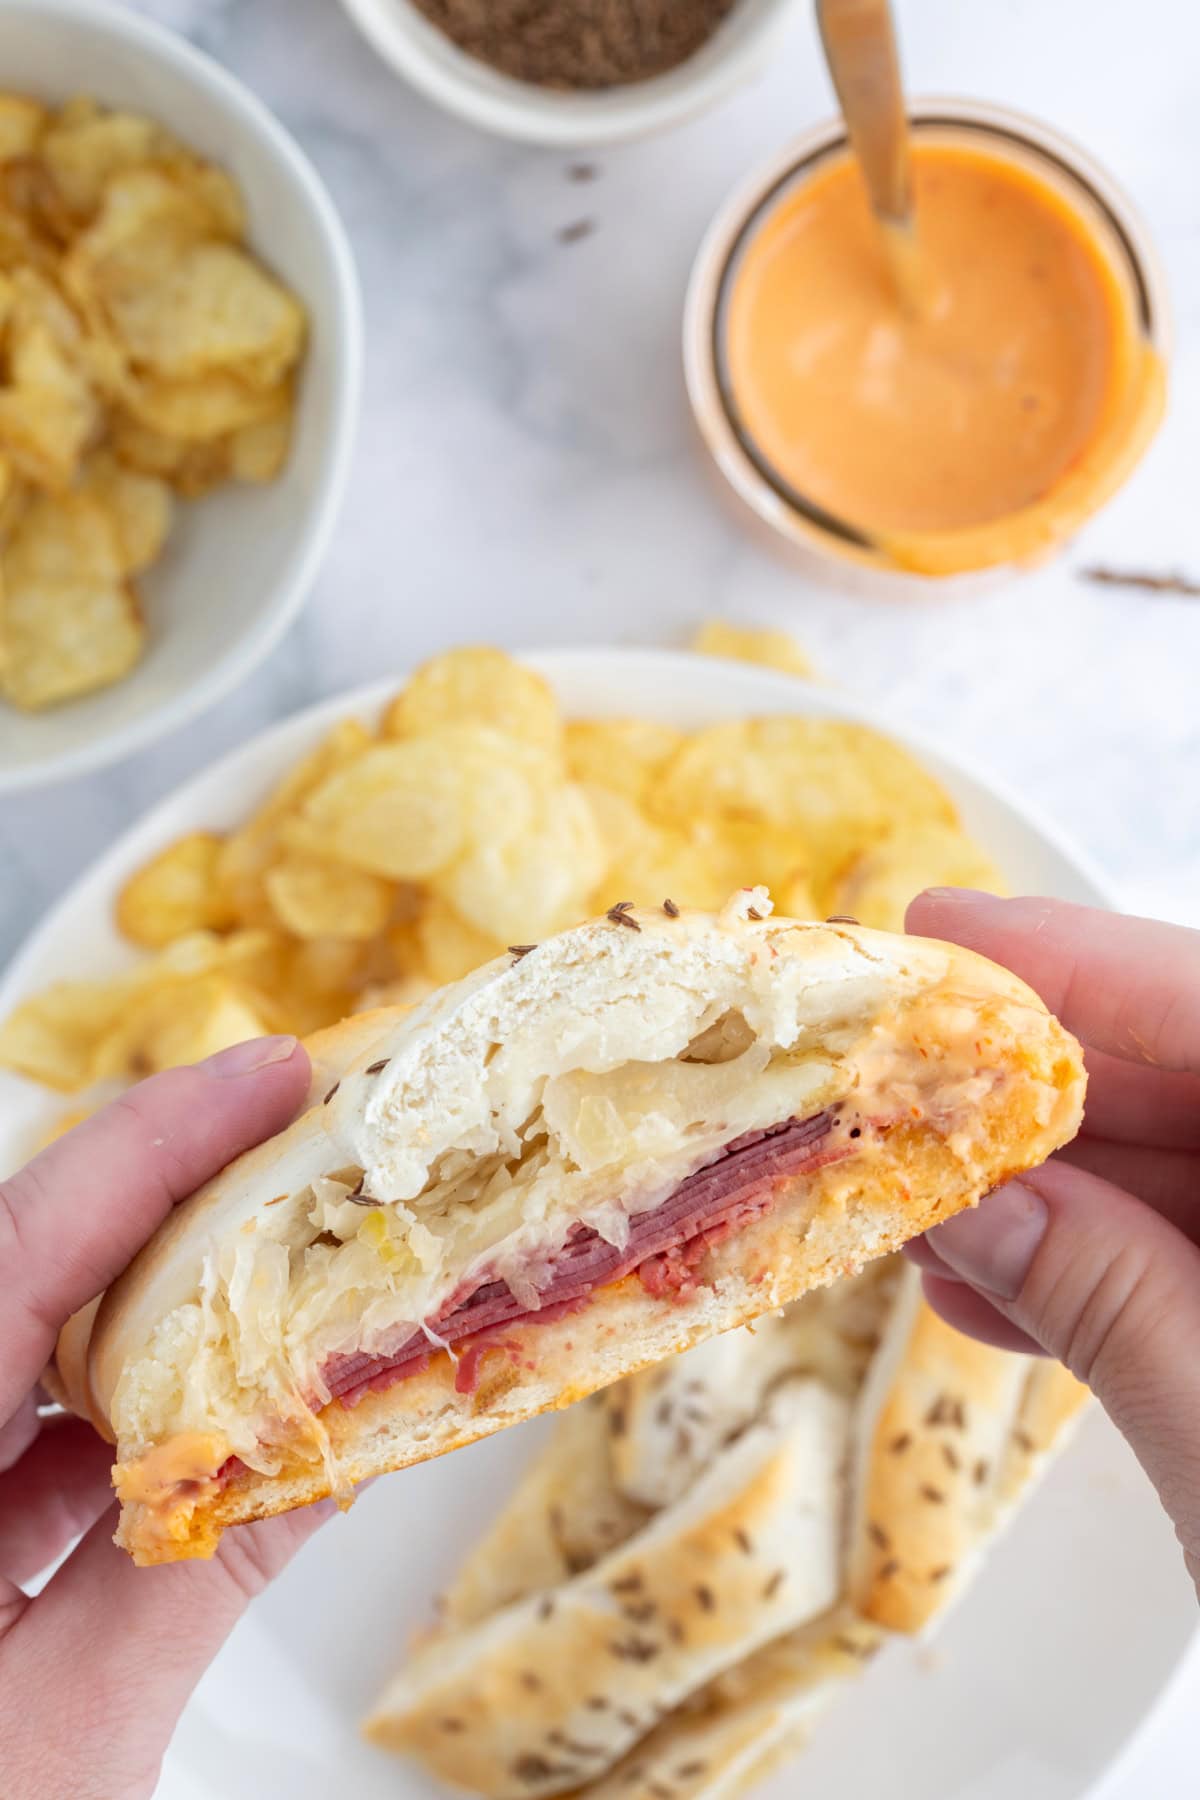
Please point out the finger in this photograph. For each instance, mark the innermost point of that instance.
(74, 1217)
(18, 1433)
(1130, 987)
(59, 1488)
(969, 1312)
(126, 1646)
(1167, 1180)
(1139, 1105)
(1109, 1287)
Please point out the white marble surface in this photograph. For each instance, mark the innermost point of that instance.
(526, 471)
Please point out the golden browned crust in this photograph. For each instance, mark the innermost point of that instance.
(935, 1453)
(1051, 1406)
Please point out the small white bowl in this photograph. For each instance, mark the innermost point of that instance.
(239, 563)
(424, 55)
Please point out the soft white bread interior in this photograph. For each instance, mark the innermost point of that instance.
(634, 1635)
(572, 1088)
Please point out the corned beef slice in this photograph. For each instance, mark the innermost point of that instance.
(665, 1244)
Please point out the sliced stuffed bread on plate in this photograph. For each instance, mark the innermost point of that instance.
(583, 1158)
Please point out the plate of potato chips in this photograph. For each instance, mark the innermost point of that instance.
(390, 839)
(178, 368)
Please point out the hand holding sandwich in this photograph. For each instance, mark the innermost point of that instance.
(1095, 1257)
(95, 1670)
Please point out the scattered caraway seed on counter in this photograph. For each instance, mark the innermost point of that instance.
(578, 43)
(579, 228)
(1145, 580)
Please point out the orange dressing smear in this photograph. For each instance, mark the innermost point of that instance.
(979, 426)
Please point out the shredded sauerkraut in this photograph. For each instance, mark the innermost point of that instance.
(334, 1272)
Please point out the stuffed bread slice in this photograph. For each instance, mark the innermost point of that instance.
(579, 1160)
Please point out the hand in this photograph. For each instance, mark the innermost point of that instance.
(1094, 1258)
(95, 1671)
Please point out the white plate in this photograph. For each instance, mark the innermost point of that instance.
(1051, 1663)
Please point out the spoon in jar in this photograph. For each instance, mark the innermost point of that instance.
(859, 40)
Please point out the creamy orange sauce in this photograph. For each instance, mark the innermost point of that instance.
(976, 426)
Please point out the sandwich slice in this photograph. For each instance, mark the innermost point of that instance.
(581, 1159)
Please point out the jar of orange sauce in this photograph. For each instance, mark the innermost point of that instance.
(908, 449)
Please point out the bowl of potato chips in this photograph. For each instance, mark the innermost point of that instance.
(180, 345)
(392, 839)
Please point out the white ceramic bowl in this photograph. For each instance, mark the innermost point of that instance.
(238, 563)
(483, 96)
(1042, 1674)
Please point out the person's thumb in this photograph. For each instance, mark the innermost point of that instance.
(1109, 1287)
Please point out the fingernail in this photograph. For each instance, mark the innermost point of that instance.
(944, 894)
(257, 1053)
(994, 1246)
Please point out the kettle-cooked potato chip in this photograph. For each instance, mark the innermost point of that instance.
(625, 754)
(480, 686)
(208, 309)
(22, 122)
(315, 898)
(141, 344)
(66, 637)
(878, 884)
(753, 644)
(176, 892)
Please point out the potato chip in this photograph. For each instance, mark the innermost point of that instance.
(445, 946)
(796, 898)
(198, 411)
(147, 215)
(65, 638)
(174, 893)
(130, 318)
(180, 997)
(138, 508)
(747, 643)
(837, 785)
(53, 1036)
(193, 469)
(48, 411)
(480, 686)
(397, 811)
(207, 309)
(77, 1032)
(22, 122)
(516, 886)
(408, 807)
(258, 452)
(624, 754)
(877, 885)
(83, 154)
(318, 899)
(248, 853)
(748, 853)
(186, 1024)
